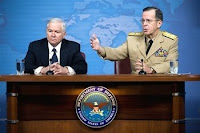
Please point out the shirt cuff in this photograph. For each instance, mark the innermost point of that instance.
(152, 70)
(38, 70)
(71, 71)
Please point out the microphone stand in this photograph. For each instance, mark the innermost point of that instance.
(50, 72)
(142, 72)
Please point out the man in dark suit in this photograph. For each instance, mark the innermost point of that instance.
(54, 53)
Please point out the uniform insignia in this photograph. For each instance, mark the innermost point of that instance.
(161, 53)
(169, 35)
(135, 34)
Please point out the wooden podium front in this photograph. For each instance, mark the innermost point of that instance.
(146, 103)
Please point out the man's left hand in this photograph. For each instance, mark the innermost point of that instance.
(138, 67)
(58, 69)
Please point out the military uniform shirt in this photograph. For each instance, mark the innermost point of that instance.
(163, 49)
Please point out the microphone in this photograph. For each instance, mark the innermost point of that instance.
(50, 72)
(142, 72)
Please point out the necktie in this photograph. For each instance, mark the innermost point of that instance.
(150, 43)
(54, 57)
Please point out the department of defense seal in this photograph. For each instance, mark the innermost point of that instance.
(96, 106)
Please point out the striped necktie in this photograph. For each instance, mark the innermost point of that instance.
(54, 57)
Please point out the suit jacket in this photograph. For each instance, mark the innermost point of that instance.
(70, 55)
(163, 49)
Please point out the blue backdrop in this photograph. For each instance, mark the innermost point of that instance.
(22, 21)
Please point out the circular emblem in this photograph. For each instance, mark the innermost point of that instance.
(96, 106)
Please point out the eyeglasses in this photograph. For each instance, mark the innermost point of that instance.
(148, 21)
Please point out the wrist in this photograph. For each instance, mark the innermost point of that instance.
(66, 70)
(44, 70)
(100, 49)
(152, 70)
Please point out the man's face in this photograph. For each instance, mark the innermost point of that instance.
(150, 24)
(55, 33)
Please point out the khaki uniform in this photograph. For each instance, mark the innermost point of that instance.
(163, 49)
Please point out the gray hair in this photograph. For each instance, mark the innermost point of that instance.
(59, 21)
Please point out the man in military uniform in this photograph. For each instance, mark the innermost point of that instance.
(152, 46)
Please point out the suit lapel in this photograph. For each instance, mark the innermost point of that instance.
(156, 44)
(44, 53)
(142, 46)
(63, 53)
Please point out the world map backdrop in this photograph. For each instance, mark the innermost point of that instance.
(23, 21)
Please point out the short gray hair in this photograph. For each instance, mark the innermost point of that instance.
(58, 20)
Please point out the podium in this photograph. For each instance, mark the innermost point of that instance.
(152, 103)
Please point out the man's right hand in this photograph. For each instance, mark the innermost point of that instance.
(94, 42)
(44, 70)
(51, 67)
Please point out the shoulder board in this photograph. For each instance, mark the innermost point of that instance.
(169, 35)
(135, 34)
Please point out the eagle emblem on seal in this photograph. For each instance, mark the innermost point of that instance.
(96, 108)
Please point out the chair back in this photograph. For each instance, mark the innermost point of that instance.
(83, 54)
(123, 66)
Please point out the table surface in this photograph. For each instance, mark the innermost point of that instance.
(101, 78)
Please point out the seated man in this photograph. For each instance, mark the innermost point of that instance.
(54, 53)
(150, 50)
